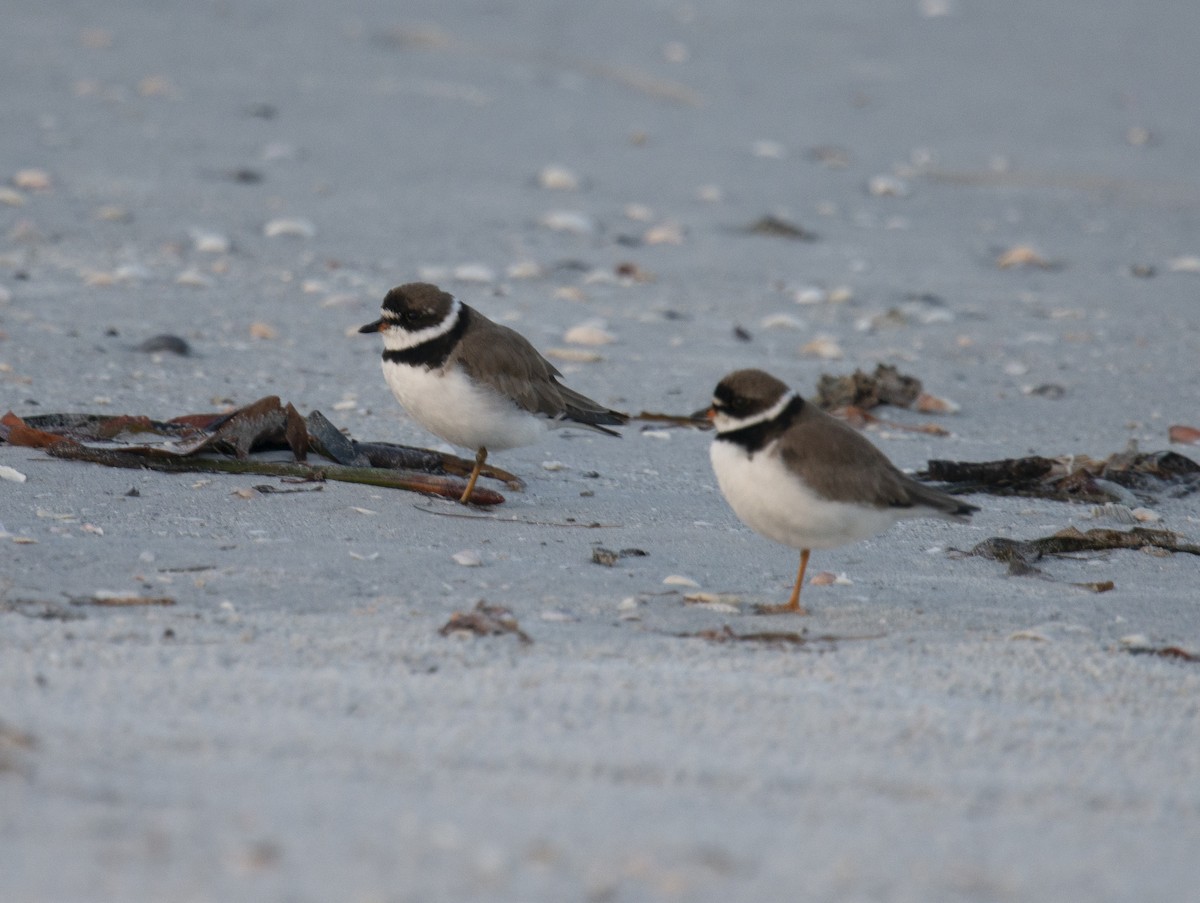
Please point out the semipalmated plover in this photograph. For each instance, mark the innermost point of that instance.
(805, 479)
(472, 382)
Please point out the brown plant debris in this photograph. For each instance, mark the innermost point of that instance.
(695, 421)
(609, 557)
(121, 600)
(1184, 435)
(227, 442)
(484, 620)
(1073, 478)
(776, 638)
(1020, 554)
(1175, 652)
(886, 385)
(860, 418)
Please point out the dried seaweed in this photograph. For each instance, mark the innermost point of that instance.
(1173, 652)
(1072, 478)
(886, 385)
(609, 557)
(775, 638)
(484, 620)
(1021, 554)
(226, 443)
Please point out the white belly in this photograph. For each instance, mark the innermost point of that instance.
(773, 502)
(450, 406)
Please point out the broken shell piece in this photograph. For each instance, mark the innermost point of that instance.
(888, 186)
(810, 294)
(32, 180)
(568, 221)
(194, 278)
(931, 404)
(208, 242)
(290, 227)
(558, 178)
(710, 194)
(474, 272)
(524, 269)
(468, 558)
(11, 198)
(680, 580)
(590, 332)
(781, 321)
(823, 347)
(771, 150)
(1022, 256)
(1184, 265)
(639, 213)
(265, 331)
(668, 233)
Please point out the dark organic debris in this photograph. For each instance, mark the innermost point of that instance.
(776, 638)
(40, 609)
(609, 557)
(484, 620)
(165, 342)
(1176, 652)
(771, 224)
(1020, 554)
(1072, 478)
(886, 385)
(203, 443)
(15, 746)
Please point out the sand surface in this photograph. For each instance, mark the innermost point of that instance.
(252, 177)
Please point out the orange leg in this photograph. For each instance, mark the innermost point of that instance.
(480, 457)
(793, 606)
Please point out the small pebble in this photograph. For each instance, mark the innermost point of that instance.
(468, 558)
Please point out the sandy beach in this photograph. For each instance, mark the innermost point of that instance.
(998, 199)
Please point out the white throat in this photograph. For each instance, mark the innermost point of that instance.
(726, 424)
(396, 338)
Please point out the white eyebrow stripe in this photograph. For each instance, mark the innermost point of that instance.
(396, 338)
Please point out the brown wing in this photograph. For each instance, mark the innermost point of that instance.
(505, 360)
(844, 466)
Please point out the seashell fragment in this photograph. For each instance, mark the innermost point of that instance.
(558, 178)
(932, 404)
(823, 347)
(590, 332)
(290, 227)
